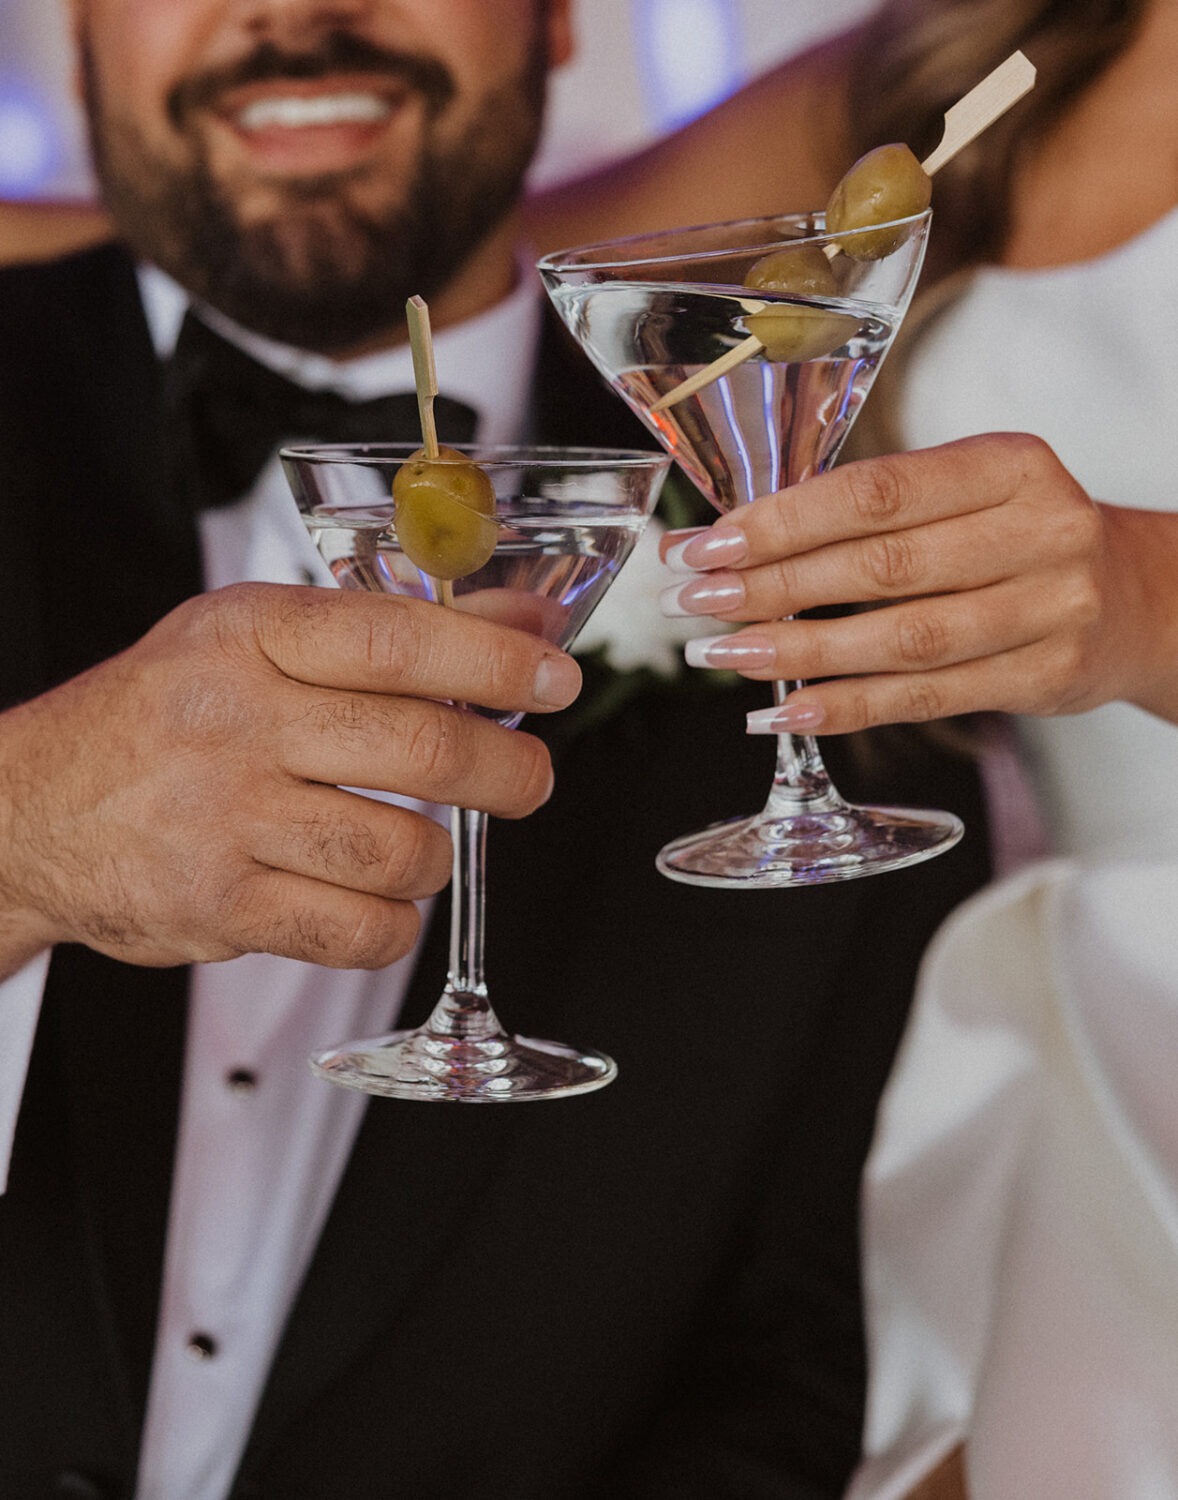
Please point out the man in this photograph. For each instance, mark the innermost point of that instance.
(222, 1277)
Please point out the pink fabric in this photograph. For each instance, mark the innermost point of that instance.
(1017, 829)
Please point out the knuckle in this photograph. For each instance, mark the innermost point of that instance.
(877, 491)
(436, 742)
(1084, 604)
(783, 585)
(1079, 530)
(922, 639)
(1033, 451)
(919, 702)
(233, 615)
(395, 639)
(344, 718)
(310, 934)
(416, 858)
(339, 845)
(1063, 677)
(855, 712)
(208, 707)
(778, 515)
(892, 563)
(383, 932)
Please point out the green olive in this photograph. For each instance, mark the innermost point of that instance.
(886, 184)
(444, 512)
(797, 270)
(792, 331)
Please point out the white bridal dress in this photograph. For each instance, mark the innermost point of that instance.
(1021, 1205)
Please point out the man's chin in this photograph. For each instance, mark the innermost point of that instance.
(333, 318)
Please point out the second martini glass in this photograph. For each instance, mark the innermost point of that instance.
(653, 311)
(565, 520)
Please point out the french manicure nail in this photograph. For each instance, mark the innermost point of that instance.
(784, 718)
(734, 651)
(671, 541)
(715, 547)
(702, 596)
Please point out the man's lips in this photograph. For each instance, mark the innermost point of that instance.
(303, 127)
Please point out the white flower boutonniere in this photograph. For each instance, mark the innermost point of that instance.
(628, 647)
(628, 630)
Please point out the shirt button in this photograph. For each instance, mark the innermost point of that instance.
(241, 1080)
(200, 1347)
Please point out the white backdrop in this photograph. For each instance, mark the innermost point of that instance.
(642, 66)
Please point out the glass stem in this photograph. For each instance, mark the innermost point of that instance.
(800, 781)
(464, 1009)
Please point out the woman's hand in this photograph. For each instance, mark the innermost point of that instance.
(999, 584)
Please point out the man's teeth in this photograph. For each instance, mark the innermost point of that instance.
(293, 112)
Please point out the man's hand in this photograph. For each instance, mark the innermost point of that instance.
(182, 801)
(999, 584)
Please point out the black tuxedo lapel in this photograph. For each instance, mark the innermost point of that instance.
(572, 406)
(105, 549)
(104, 552)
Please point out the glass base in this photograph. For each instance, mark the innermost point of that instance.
(769, 850)
(494, 1069)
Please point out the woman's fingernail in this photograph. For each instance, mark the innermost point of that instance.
(716, 547)
(783, 718)
(733, 651)
(671, 541)
(708, 595)
(557, 681)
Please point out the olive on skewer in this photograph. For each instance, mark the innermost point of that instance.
(444, 513)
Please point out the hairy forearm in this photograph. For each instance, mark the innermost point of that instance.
(25, 929)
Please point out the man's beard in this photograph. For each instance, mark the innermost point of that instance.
(321, 273)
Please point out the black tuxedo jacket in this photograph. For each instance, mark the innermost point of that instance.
(648, 1291)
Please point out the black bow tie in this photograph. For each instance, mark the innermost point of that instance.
(229, 414)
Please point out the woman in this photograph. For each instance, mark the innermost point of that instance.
(1035, 599)
(1023, 1192)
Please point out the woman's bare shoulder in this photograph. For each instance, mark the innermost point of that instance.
(778, 145)
(42, 230)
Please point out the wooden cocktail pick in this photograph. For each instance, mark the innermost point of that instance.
(964, 122)
(425, 373)
(444, 513)
(425, 380)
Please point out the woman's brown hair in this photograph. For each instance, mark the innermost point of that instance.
(918, 57)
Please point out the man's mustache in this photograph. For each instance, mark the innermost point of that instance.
(340, 52)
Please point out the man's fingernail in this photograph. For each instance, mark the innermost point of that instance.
(784, 718)
(733, 651)
(708, 595)
(717, 547)
(558, 681)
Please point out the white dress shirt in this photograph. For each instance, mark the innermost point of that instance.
(262, 1142)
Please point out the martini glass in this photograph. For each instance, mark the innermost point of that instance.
(567, 520)
(652, 311)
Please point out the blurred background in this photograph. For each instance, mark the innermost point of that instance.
(643, 67)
